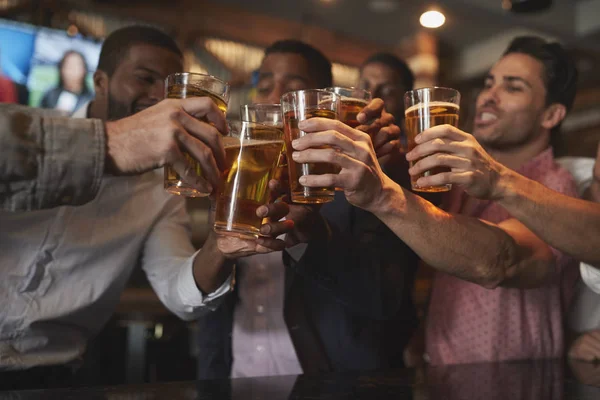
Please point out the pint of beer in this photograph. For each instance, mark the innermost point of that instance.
(352, 101)
(268, 114)
(298, 106)
(425, 108)
(251, 151)
(181, 86)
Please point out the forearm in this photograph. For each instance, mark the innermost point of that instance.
(211, 268)
(568, 224)
(48, 161)
(461, 246)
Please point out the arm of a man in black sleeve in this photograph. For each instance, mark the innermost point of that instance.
(352, 254)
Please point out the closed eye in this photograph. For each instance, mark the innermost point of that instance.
(146, 79)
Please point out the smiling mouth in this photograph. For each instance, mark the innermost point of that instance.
(487, 117)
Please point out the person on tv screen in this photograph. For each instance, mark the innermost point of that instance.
(8, 90)
(72, 90)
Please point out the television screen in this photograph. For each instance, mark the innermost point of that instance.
(61, 73)
(16, 49)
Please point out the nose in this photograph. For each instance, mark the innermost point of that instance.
(157, 91)
(488, 96)
(275, 95)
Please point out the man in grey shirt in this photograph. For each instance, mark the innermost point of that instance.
(62, 269)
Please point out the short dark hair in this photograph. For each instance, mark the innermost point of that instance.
(560, 74)
(560, 71)
(319, 66)
(398, 65)
(118, 43)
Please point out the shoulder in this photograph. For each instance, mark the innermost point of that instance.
(581, 168)
(558, 178)
(52, 92)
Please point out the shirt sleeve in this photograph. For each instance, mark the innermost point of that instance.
(590, 276)
(363, 265)
(48, 161)
(168, 262)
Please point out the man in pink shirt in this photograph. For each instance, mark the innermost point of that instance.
(500, 292)
(525, 97)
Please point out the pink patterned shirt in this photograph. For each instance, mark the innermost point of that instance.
(467, 323)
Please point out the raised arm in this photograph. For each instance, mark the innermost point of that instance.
(48, 161)
(506, 254)
(568, 224)
(349, 252)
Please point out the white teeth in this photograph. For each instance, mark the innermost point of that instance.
(486, 116)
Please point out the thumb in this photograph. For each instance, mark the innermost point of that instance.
(372, 111)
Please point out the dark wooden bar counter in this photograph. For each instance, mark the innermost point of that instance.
(547, 380)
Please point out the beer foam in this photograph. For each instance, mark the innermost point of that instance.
(432, 104)
(229, 142)
(355, 99)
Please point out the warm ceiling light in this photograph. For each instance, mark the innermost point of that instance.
(432, 19)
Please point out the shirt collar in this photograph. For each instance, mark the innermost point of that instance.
(542, 162)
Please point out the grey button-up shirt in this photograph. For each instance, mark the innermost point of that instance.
(47, 160)
(62, 270)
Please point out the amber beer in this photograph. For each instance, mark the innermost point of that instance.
(352, 102)
(268, 114)
(251, 159)
(299, 193)
(298, 106)
(181, 86)
(350, 108)
(424, 116)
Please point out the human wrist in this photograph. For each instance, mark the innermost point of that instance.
(211, 267)
(505, 186)
(391, 200)
(214, 252)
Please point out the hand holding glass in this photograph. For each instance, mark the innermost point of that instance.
(181, 86)
(298, 106)
(425, 108)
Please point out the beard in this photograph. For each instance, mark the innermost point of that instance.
(505, 138)
(117, 110)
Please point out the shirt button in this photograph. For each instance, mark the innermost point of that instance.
(261, 267)
(260, 348)
(67, 199)
(260, 309)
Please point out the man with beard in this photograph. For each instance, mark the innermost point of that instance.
(500, 293)
(525, 97)
(339, 297)
(63, 269)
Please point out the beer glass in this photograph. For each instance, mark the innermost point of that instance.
(298, 106)
(251, 151)
(181, 86)
(352, 101)
(268, 114)
(425, 108)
